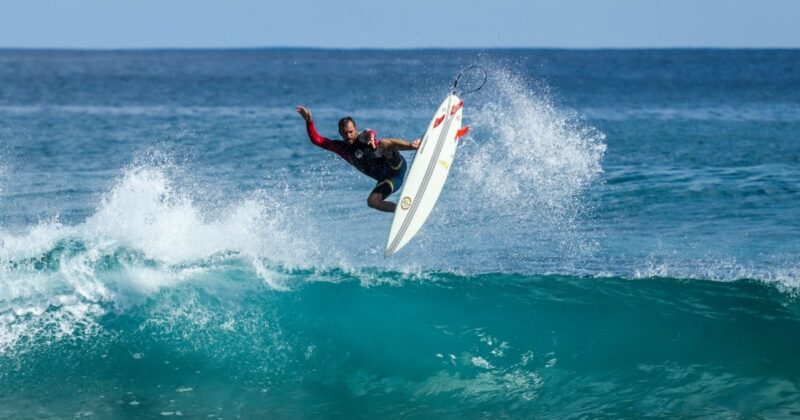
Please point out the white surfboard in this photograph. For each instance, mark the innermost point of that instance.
(427, 174)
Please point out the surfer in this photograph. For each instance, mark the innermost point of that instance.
(378, 159)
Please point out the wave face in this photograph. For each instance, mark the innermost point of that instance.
(146, 338)
(619, 239)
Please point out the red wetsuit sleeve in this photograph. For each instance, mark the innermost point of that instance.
(337, 147)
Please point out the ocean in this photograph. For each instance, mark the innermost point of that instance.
(619, 236)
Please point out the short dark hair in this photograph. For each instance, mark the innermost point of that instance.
(343, 122)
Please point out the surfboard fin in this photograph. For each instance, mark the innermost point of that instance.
(460, 133)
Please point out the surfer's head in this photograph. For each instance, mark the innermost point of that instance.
(348, 130)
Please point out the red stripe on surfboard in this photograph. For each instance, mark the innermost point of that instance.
(460, 133)
(456, 108)
(438, 121)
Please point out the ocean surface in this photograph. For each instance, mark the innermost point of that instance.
(619, 237)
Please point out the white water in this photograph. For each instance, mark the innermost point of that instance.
(164, 237)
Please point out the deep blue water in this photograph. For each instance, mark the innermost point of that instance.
(619, 237)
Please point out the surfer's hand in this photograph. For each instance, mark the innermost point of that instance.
(415, 144)
(306, 114)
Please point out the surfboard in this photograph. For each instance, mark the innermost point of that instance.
(428, 172)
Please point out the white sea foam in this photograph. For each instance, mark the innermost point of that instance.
(144, 212)
(784, 275)
(53, 283)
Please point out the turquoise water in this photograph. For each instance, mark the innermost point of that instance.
(619, 238)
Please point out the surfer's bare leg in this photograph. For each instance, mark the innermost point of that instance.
(377, 202)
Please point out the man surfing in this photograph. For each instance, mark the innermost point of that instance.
(378, 159)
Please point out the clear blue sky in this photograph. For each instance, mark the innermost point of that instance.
(398, 23)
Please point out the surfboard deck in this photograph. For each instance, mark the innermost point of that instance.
(428, 172)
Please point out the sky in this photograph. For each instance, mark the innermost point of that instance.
(115, 24)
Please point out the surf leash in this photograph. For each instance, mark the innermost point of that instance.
(455, 83)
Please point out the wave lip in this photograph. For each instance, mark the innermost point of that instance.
(146, 236)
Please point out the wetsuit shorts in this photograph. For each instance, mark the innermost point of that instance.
(392, 183)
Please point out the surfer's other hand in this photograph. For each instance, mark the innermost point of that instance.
(415, 144)
(306, 114)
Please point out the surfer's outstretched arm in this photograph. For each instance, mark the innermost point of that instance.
(400, 144)
(323, 142)
(313, 135)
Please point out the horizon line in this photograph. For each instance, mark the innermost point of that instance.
(398, 49)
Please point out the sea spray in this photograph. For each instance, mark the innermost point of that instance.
(530, 153)
(531, 164)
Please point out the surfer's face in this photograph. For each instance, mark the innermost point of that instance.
(348, 132)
